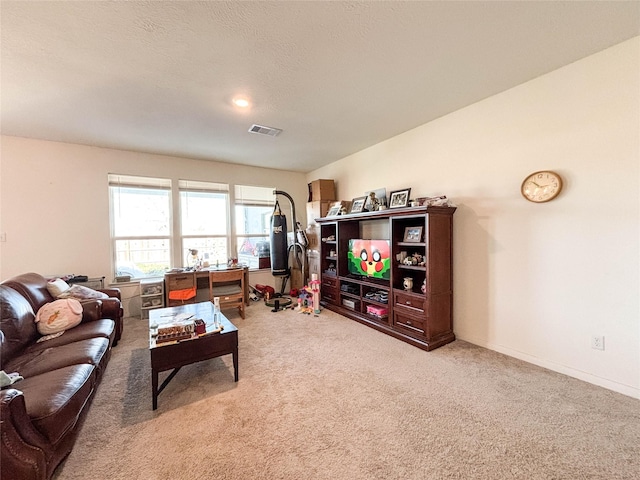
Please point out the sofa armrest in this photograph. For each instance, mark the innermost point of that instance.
(91, 310)
(24, 449)
(112, 292)
(110, 308)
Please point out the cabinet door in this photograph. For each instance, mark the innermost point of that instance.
(329, 289)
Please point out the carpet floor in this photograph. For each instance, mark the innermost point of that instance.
(323, 397)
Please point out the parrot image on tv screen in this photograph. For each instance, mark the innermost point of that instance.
(369, 258)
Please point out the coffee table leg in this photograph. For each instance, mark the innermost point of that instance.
(154, 388)
(235, 363)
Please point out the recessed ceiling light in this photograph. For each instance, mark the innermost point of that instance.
(241, 102)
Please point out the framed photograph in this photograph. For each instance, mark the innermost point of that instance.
(399, 198)
(334, 209)
(412, 234)
(375, 200)
(357, 204)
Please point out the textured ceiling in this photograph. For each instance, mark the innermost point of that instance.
(337, 77)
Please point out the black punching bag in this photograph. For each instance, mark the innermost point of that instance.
(278, 236)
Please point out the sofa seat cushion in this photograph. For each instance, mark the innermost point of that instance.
(40, 358)
(104, 328)
(55, 399)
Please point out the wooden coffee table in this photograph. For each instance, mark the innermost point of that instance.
(174, 355)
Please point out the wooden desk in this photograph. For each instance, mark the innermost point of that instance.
(183, 280)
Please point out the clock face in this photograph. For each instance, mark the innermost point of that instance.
(541, 186)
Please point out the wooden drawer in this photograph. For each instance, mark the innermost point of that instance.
(180, 281)
(408, 324)
(329, 282)
(329, 294)
(415, 303)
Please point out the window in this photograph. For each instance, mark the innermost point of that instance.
(253, 210)
(204, 220)
(155, 227)
(141, 225)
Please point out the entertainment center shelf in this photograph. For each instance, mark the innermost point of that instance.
(413, 299)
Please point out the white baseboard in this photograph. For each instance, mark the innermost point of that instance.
(556, 367)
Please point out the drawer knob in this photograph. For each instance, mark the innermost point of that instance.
(408, 302)
(408, 322)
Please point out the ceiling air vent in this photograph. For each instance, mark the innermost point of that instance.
(262, 130)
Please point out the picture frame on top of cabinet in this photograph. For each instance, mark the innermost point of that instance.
(375, 200)
(399, 198)
(334, 209)
(412, 235)
(357, 204)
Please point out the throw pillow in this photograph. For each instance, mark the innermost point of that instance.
(58, 315)
(56, 287)
(81, 292)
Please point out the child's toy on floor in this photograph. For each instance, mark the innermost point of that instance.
(309, 297)
(315, 290)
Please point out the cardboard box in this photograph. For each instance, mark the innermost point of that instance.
(313, 237)
(317, 209)
(296, 280)
(313, 261)
(322, 190)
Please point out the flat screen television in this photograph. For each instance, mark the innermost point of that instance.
(369, 258)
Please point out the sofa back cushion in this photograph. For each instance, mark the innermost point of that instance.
(33, 287)
(17, 322)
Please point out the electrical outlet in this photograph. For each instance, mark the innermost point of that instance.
(597, 342)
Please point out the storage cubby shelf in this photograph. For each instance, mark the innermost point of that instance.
(421, 319)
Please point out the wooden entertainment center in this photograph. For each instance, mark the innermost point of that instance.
(423, 319)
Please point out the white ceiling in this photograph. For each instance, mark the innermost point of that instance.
(336, 76)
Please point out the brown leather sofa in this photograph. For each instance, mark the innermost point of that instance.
(41, 415)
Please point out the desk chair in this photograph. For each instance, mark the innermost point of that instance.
(229, 286)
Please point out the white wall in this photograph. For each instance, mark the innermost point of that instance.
(54, 203)
(536, 281)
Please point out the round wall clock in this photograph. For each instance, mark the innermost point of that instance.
(541, 186)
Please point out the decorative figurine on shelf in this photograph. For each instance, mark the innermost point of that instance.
(413, 259)
(408, 284)
(423, 288)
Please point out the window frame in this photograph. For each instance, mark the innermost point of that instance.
(214, 188)
(251, 196)
(116, 181)
(178, 242)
